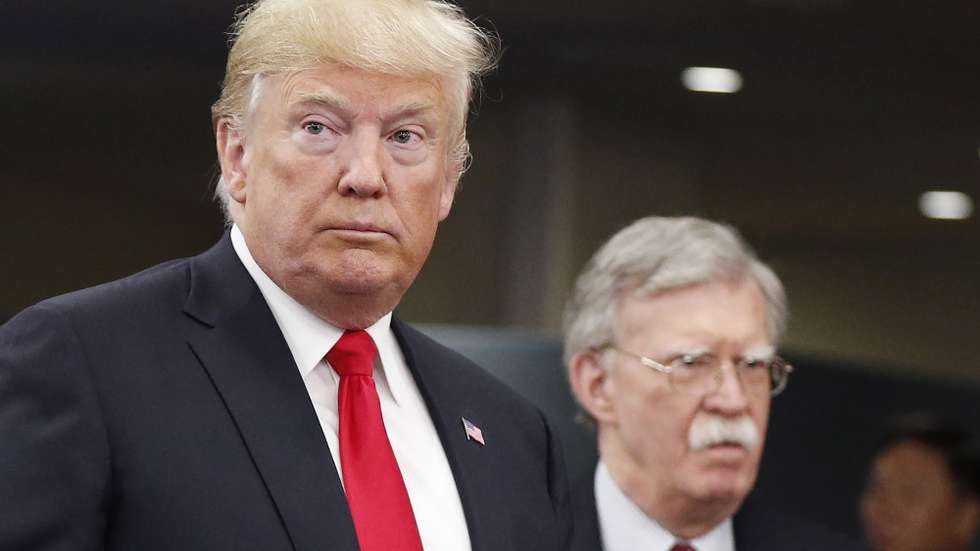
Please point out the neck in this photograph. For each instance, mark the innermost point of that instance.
(352, 314)
(346, 311)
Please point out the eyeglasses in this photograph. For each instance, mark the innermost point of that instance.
(702, 374)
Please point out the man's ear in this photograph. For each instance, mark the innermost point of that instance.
(448, 192)
(456, 161)
(590, 383)
(230, 142)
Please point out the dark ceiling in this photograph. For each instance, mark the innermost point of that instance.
(889, 41)
(917, 61)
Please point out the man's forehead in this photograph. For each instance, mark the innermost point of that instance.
(715, 307)
(328, 99)
(705, 293)
(348, 88)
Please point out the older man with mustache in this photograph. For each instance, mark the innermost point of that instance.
(671, 350)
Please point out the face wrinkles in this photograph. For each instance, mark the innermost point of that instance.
(344, 186)
(653, 420)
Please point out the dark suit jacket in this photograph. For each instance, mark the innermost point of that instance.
(165, 411)
(754, 529)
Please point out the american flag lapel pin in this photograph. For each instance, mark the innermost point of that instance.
(473, 432)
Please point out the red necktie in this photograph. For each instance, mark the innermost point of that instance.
(682, 547)
(376, 495)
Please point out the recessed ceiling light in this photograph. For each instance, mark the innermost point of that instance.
(712, 79)
(946, 205)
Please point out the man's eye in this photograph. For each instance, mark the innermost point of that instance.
(314, 127)
(404, 136)
(755, 363)
(694, 361)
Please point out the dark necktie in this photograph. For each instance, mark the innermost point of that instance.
(682, 547)
(376, 495)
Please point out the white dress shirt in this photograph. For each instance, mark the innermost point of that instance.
(421, 459)
(625, 527)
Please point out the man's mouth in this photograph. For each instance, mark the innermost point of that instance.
(359, 226)
(359, 231)
(725, 453)
(725, 444)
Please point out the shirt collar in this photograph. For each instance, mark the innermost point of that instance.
(310, 338)
(624, 526)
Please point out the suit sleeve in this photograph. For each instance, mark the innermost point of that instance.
(558, 488)
(54, 457)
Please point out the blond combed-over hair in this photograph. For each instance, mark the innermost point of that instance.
(427, 39)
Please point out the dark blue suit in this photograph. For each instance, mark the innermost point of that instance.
(164, 411)
(754, 529)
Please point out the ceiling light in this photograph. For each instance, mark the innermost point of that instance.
(946, 205)
(712, 79)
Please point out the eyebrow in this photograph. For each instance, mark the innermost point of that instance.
(424, 113)
(324, 99)
(687, 351)
(760, 352)
(410, 108)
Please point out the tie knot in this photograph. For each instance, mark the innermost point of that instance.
(682, 547)
(353, 354)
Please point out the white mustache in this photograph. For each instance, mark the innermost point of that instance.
(713, 429)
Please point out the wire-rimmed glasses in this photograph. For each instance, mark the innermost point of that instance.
(702, 374)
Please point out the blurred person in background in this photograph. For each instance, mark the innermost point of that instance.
(923, 490)
(670, 345)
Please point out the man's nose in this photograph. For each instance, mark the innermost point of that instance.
(363, 175)
(731, 397)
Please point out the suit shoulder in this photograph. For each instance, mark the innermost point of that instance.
(585, 518)
(468, 376)
(782, 531)
(166, 282)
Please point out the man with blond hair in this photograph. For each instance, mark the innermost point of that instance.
(262, 396)
(670, 345)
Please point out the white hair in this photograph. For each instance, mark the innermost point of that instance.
(656, 254)
(708, 430)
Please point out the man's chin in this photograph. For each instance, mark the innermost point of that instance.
(327, 281)
(724, 482)
(352, 284)
(355, 272)
(715, 492)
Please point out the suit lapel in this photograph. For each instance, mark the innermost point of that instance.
(755, 529)
(585, 526)
(242, 349)
(471, 464)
